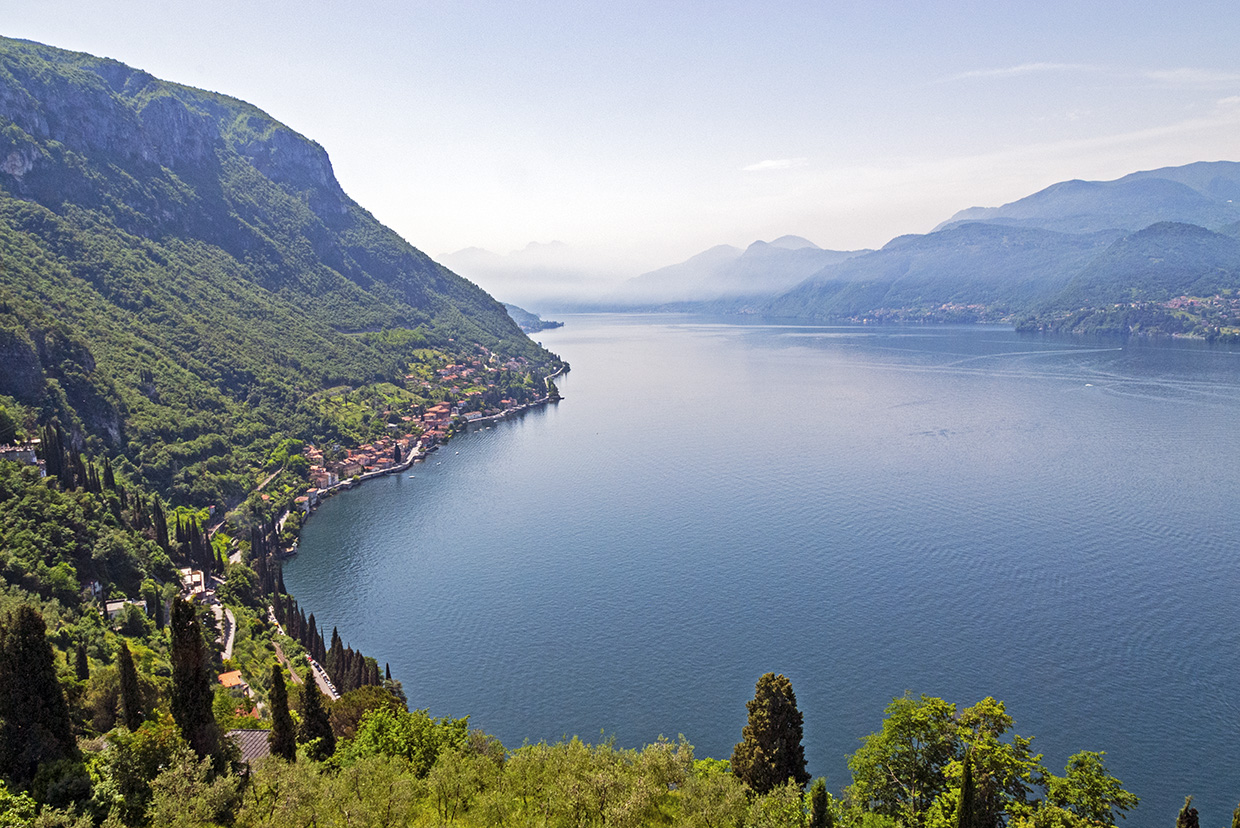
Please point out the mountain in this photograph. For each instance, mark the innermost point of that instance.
(530, 322)
(964, 264)
(762, 269)
(183, 279)
(1206, 194)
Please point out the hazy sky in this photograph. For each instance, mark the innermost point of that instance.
(651, 131)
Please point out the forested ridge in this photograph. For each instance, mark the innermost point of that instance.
(182, 280)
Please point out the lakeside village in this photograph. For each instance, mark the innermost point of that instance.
(475, 390)
(439, 400)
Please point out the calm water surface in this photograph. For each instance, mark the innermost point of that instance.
(960, 512)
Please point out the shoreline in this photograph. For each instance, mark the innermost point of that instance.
(418, 454)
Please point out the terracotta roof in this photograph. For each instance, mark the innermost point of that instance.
(231, 678)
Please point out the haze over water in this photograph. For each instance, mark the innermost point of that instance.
(960, 512)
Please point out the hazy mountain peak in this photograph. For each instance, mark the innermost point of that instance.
(1204, 193)
(793, 243)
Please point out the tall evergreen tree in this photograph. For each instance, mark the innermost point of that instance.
(81, 664)
(34, 718)
(770, 750)
(966, 808)
(131, 694)
(283, 738)
(160, 523)
(192, 685)
(315, 723)
(1188, 815)
(820, 805)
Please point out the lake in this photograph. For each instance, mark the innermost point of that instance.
(956, 511)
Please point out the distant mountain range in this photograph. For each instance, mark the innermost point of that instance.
(1055, 260)
(763, 268)
(1206, 194)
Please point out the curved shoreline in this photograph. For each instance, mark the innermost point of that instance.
(420, 452)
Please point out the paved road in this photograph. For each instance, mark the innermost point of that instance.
(230, 628)
(320, 676)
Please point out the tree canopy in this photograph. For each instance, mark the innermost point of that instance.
(770, 750)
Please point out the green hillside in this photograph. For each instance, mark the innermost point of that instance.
(182, 279)
(996, 269)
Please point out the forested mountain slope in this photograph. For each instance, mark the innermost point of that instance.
(966, 264)
(1200, 193)
(180, 275)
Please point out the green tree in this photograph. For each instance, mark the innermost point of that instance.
(81, 663)
(770, 749)
(193, 690)
(1235, 817)
(188, 795)
(1003, 767)
(131, 693)
(966, 806)
(316, 727)
(900, 770)
(8, 427)
(34, 718)
(413, 735)
(283, 738)
(1188, 815)
(820, 805)
(712, 797)
(1089, 791)
(124, 771)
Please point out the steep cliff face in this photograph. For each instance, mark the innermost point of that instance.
(151, 230)
(160, 160)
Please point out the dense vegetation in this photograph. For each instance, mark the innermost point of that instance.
(120, 740)
(183, 284)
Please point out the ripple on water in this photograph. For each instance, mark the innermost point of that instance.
(949, 511)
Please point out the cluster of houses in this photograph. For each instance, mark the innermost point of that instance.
(381, 454)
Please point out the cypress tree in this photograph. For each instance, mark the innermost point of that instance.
(34, 718)
(315, 723)
(820, 805)
(320, 652)
(131, 694)
(192, 685)
(1188, 815)
(160, 522)
(82, 663)
(387, 673)
(770, 750)
(966, 809)
(283, 738)
(332, 664)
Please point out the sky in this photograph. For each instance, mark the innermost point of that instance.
(641, 133)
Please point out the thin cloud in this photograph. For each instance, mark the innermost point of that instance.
(1187, 76)
(775, 164)
(1016, 71)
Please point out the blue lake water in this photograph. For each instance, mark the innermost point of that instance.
(960, 512)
